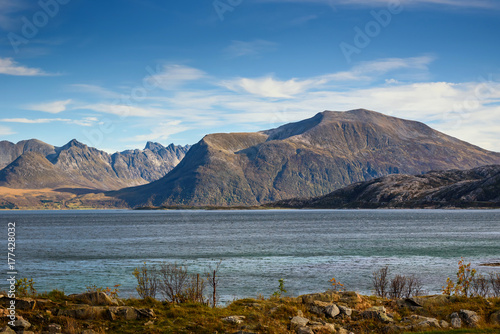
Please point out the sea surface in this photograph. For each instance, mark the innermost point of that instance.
(69, 250)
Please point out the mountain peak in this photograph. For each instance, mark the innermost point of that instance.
(152, 146)
(293, 129)
(355, 114)
(73, 143)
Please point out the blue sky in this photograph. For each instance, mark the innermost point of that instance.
(115, 74)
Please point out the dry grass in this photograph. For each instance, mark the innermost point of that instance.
(262, 315)
(4, 191)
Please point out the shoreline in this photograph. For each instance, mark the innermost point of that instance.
(249, 208)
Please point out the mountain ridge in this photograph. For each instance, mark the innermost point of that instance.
(477, 187)
(78, 165)
(305, 159)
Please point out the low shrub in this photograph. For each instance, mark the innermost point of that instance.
(25, 287)
(400, 286)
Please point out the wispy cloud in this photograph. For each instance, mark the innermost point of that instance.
(268, 86)
(161, 132)
(123, 110)
(249, 48)
(86, 121)
(10, 67)
(7, 10)
(469, 111)
(173, 76)
(383, 85)
(6, 131)
(370, 70)
(54, 107)
(33, 121)
(95, 90)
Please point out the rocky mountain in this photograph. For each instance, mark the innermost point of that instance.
(33, 164)
(305, 159)
(478, 187)
(10, 151)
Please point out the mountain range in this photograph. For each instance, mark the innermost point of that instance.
(33, 164)
(305, 159)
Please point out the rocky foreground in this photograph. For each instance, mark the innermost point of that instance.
(329, 312)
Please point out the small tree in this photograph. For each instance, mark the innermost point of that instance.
(195, 289)
(25, 287)
(480, 286)
(173, 278)
(397, 287)
(495, 284)
(178, 286)
(281, 288)
(413, 286)
(380, 281)
(336, 286)
(147, 281)
(465, 277)
(213, 281)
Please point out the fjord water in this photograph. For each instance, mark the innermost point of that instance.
(70, 250)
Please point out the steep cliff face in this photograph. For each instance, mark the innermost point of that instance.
(478, 187)
(149, 164)
(305, 159)
(34, 165)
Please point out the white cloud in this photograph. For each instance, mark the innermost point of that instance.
(96, 90)
(86, 121)
(6, 131)
(32, 121)
(467, 110)
(123, 110)
(173, 76)
(371, 70)
(386, 65)
(251, 48)
(268, 86)
(54, 107)
(10, 67)
(161, 132)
